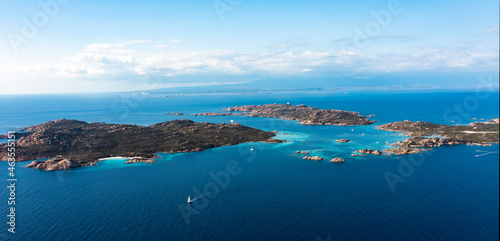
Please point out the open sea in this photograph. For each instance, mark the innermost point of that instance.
(270, 193)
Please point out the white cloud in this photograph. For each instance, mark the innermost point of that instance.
(175, 40)
(123, 60)
(491, 30)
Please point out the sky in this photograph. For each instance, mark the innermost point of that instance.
(64, 46)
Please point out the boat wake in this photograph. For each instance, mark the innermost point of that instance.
(194, 199)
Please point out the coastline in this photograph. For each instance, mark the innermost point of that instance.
(71, 143)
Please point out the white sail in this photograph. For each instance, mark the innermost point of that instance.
(189, 199)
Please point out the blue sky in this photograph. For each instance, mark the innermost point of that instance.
(112, 45)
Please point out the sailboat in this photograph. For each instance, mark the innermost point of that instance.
(189, 199)
(251, 149)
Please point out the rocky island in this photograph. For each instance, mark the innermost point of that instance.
(318, 158)
(337, 159)
(305, 114)
(343, 140)
(72, 143)
(212, 114)
(368, 151)
(314, 158)
(139, 159)
(477, 133)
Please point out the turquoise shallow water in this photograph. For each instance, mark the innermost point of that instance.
(444, 194)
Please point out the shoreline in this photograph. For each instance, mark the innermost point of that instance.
(73, 143)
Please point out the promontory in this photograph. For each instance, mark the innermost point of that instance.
(73, 143)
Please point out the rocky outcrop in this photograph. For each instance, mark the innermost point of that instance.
(314, 158)
(139, 159)
(337, 159)
(492, 121)
(272, 140)
(343, 140)
(477, 132)
(305, 114)
(428, 142)
(175, 113)
(302, 152)
(368, 151)
(57, 163)
(404, 151)
(212, 114)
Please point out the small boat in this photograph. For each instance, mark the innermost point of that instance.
(189, 200)
(251, 149)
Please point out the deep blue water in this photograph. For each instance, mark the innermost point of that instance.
(446, 194)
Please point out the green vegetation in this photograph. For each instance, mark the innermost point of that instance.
(86, 142)
(474, 133)
(307, 115)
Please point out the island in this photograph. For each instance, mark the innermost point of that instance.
(368, 151)
(317, 158)
(426, 135)
(474, 133)
(73, 143)
(212, 114)
(337, 159)
(305, 114)
(314, 158)
(343, 140)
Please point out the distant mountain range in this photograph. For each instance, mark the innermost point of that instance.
(347, 83)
